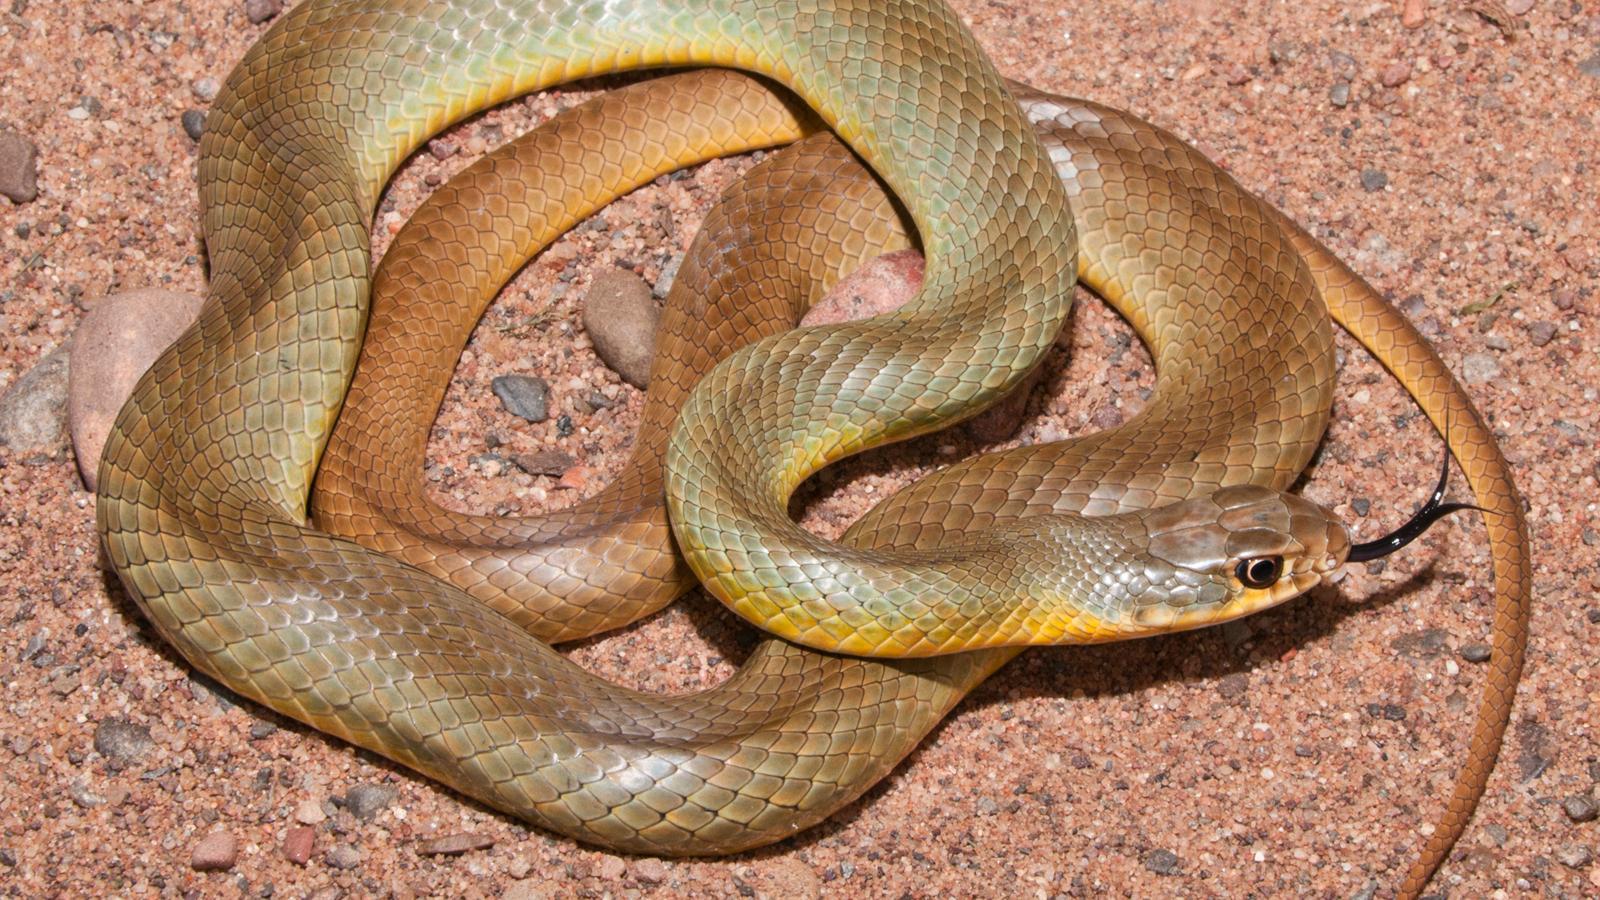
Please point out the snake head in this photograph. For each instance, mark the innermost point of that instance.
(1235, 552)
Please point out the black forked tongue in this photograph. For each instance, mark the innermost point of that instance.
(1431, 512)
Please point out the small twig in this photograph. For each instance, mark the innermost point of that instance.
(1472, 309)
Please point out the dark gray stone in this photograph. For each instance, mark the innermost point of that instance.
(120, 740)
(523, 396)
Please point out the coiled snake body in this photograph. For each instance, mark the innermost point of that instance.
(206, 476)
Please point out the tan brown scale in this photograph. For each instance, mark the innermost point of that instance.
(203, 484)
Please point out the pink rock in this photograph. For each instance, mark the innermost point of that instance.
(298, 843)
(1395, 74)
(611, 869)
(216, 852)
(882, 285)
(648, 871)
(1414, 14)
(116, 342)
(574, 479)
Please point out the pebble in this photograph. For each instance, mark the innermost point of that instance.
(1574, 856)
(121, 741)
(258, 11)
(367, 800)
(309, 812)
(1519, 7)
(19, 167)
(621, 319)
(1479, 368)
(1581, 808)
(1475, 653)
(649, 871)
(545, 462)
(881, 285)
(523, 396)
(298, 843)
(574, 479)
(118, 339)
(519, 867)
(1413, 14)
(611, 869)
(454, 844)
(1541, 333)
(1161, 862)
(1362, 506)
(1590, 66)
(343, 856)
(1395, 74)
(216, 852)
(1339, 94)
(33, 408)
(194, 123)
(205, 89)
(1233, 686)
(1374, 180)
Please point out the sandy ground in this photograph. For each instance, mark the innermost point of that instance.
(1302, 752)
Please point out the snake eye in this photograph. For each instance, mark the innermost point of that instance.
(1261, 572)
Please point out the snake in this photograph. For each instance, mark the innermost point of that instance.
(205, 478)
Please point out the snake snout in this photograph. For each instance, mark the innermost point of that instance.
(1248, 547)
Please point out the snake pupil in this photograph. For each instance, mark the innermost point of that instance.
(1261, 572)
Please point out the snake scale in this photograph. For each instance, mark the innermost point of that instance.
(206, 477)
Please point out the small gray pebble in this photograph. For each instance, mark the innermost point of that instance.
(523, 396)
(1590, 66)
(1161, 862)
(344, 856)
(1581, 808)
(1574, 856)
(1479, 368)
(120, 740)
(1339, 94)
(1362, 506)
(366, 800)
(1542, 333)
(1475, 653)
(206, 88)
(1233, 686)
(194, 123)
(262, 730)
(1374, 180)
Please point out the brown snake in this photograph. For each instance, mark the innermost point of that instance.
(208, 536)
